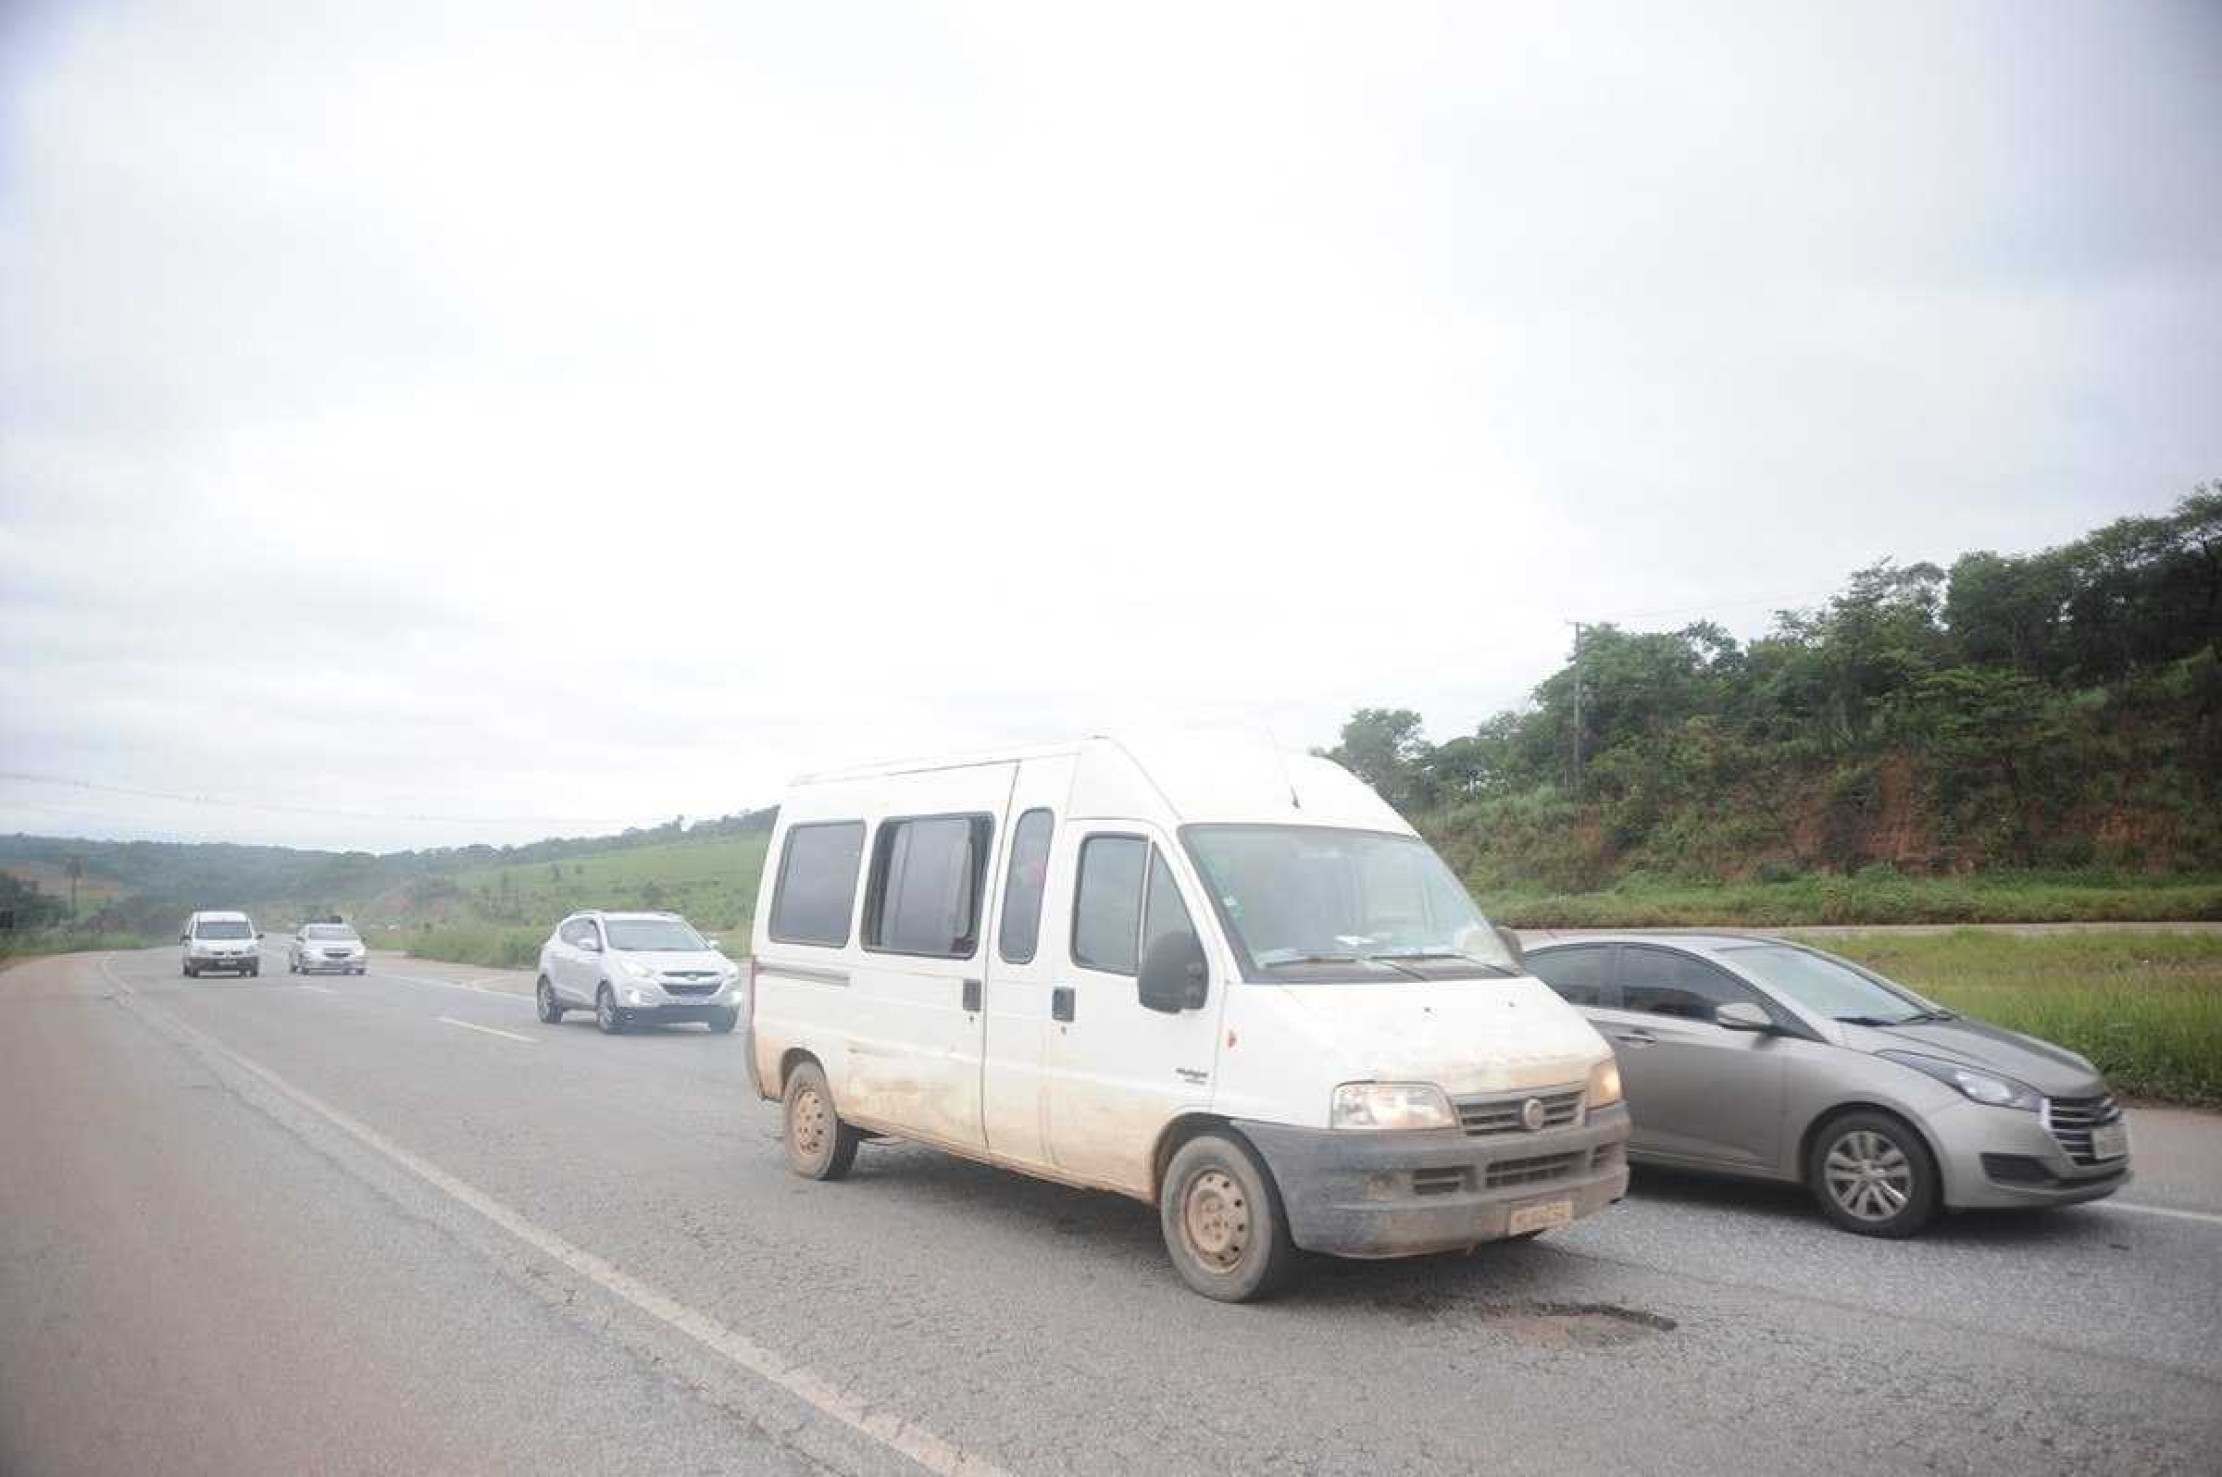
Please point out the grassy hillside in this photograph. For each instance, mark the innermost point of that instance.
(498, 915)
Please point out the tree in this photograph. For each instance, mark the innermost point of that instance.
(1384, 747)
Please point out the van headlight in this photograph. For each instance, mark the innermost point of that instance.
(1390, 1105)
(1604, 1083)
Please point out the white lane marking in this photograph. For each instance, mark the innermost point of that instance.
(320, 989)
(934, 1453)
(419, 979)
(2206, 1217)
(449, 1020)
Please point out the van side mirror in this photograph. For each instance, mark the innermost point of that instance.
(712, 944)
(1174, 975)
(1741, 1015)
(1511, 942)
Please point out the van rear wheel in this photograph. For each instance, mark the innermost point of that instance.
(1224, 1224)
(819, 1145)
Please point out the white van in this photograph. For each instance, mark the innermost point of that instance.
(1222, 979)
(220, 940)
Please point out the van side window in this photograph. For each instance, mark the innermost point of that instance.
(1107, 903)
(1022, 890)
(1165, 914)
(927, 877)
(817, 884)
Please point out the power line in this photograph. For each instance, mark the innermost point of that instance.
(218, 802)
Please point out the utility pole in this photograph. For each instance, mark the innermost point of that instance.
(1577, 775)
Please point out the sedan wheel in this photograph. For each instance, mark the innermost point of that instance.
(1873, 1175)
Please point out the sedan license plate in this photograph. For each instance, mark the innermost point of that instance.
(1540, 1215)
(2110, 1141)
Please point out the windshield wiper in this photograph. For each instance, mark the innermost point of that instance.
(1874, 1020)
(1929, 1015)
(1473, 959)
(1316, 959)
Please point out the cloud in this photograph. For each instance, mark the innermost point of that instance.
(436, 412)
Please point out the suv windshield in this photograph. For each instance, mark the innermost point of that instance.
(1825, 985)
(222, 928)
(636, 935)
(1316, 902)
(328, 931)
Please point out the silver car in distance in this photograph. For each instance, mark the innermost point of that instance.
(635, 969)
(1756, 1057)
(331, 948)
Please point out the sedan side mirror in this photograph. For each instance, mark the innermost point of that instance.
(1742, 1015)
(1511, 942)
(1174, 976)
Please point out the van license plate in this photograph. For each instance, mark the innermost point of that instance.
(1540, 1215)
(2110, 1141)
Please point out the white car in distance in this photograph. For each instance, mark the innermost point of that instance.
(636, 968)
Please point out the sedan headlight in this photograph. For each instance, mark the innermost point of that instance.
(1604, 1083)
(1390, 1105)
(1979, 1086)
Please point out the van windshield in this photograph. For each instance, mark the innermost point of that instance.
(1321, 903)
(222, 928)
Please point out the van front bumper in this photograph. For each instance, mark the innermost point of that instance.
(1361, 1193)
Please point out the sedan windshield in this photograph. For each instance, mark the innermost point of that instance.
(1826, 985)
(329, 932)
(223, 928)
(639, 935)
(1315, 903)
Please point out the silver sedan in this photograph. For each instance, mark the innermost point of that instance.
(1758, 1057)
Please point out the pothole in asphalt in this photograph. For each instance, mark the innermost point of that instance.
(1550, 1325)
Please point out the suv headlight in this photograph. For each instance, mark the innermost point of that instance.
(1989, 1088)
(636, 969)
(1390, 1105)
(1604, 1083)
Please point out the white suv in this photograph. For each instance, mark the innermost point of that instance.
(226, 941)
(629, 967)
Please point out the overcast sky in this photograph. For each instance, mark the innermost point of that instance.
(427, 424)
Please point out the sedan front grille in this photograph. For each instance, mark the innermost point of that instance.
(1501, 1114)
(2071, 1119)
(1536, 1168)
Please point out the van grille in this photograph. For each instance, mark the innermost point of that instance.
(1438, 1181)
(1535, 1168)
(2071, 1120)
(1488, 1115)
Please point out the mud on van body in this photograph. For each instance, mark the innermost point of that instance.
(1224, 980)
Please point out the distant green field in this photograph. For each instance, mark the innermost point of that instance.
(2146, 1008)
(499, 915)
(1875, 896)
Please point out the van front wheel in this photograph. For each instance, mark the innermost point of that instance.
(819, 1145)
(1223, 1221)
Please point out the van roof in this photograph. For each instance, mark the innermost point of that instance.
(1178, 778)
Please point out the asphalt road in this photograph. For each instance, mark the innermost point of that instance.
(394, 1223)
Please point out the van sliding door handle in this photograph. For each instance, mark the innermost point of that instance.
(1060, 1003)
(971, 994)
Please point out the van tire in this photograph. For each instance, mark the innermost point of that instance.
(187, 969)
(1224, 1225)
(819, 1145)
(723, 1021)
(607, 1016)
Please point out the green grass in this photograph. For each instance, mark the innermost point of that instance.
(497, 946)
(35, 943)
(1874, 896)
(713, 882)
(2145, 1007)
